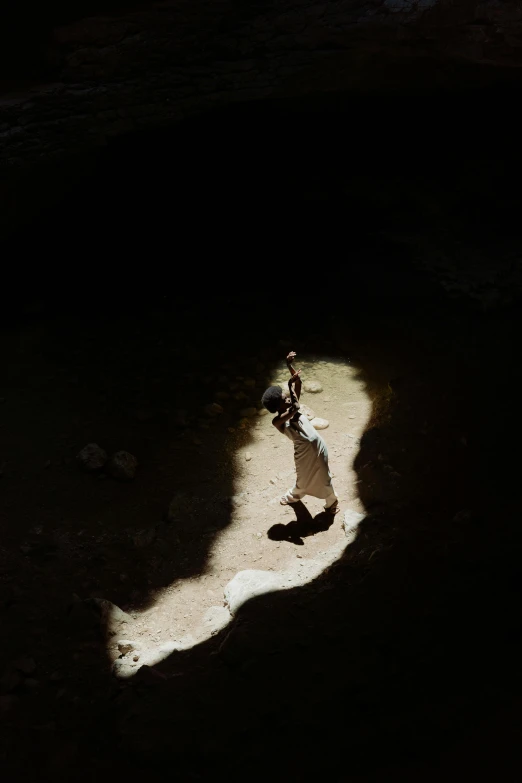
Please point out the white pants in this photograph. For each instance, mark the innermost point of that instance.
(295, 494)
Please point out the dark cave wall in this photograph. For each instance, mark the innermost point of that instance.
(111, 74)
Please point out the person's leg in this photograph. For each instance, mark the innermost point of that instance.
(332, 501)
(292, 496)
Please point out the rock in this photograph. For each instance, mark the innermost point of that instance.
(122, 466)
(215, 619)
(7, 702)
(262, 412)
(462, 516)
(320, 424)
(214, 409)
(314, 387)
(249, 584)
(9, 681)
(92, 457)
(248, 456)
(125, 647)
(248, 412)
(147, 675)
(179, 418)
(144, 537)
(135, 658)
(99, 611)
(178, 507)
(350, 523)
(308, 412)
(25, 664)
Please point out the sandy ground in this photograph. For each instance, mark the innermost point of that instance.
(262, 534)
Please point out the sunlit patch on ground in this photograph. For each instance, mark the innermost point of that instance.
(266, 546)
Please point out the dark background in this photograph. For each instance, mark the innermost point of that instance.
(209, 243)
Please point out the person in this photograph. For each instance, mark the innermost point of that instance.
(310, 451)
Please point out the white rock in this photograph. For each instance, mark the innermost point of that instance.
(262, 412)
(215, 618)
(351, 522)
(126, 647)
(320, 424)
(123, 466)
(92, 457)
(248, 456)
(308, 412)
(314, 387)
(249, 584)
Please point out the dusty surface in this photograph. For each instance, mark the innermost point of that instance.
(410, 640)
(262, 534)
(202, 507)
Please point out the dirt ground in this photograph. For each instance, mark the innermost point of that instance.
(400, 660)
(395, 634)
(261, 533)
(229, 500)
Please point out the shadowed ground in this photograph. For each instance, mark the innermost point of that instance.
(402, 661)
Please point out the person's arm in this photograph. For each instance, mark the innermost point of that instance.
(294, 384)
(294, 387)
(280, 421)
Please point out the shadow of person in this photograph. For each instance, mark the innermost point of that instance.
(303, 526)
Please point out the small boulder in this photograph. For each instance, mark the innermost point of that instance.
(143, 538)
(215, 619)
(248, 456)
(122, 466)
(351, 522)
(213, 409)
(149, 676)
(125, 647)
(9, 681)
(313, 387)
(320, 424)
(92, 457)
(308, 412)
(262, 412)
(249, 584)
(25, 664)
(98, 612)
(178, 507)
